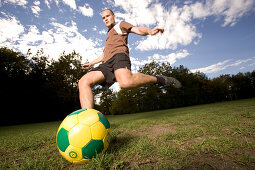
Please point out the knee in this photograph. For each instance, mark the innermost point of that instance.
(125, 84)
(84, 82)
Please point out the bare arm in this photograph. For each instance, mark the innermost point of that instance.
(146, 31)
(97, 60)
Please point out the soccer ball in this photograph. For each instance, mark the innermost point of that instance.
(83, 134)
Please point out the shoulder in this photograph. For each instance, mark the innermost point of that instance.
(123, 27)
(124, 24)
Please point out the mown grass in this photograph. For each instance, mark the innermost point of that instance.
(213, 136)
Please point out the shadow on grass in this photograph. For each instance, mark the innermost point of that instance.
(119, 143)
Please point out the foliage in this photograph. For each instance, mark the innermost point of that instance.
(197, 89)
(35, 89)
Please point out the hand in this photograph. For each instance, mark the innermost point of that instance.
(86, 66)
(156, 30)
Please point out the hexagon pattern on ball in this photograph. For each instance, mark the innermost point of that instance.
(82, 135)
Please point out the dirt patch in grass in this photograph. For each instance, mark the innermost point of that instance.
(3, 152)
(156, 130)
(195, 141)
(138, 164)
(210, 161)
(151, 132)
(245, 156)
(72, 166)
(5, 155)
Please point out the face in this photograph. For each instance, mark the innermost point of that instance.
(108, 18)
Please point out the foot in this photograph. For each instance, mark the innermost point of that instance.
(168, 81)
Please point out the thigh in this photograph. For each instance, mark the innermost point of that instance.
(123, 75)
(93, 77)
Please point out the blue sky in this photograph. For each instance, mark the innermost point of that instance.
(212, 36)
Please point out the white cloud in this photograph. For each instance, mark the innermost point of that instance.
(94, 28)
(36, 9)
(177, 21)
(214, 68)
(70, 3)
(68, 38)
(10, 30)
(230, 10)
(252, 64)
(37, 2)
(54, 41)
(17, 2)
(85, 30)
(136, 11)
(103, 32)
(170, 58)
(178, 31)
(86, 10)
(34, 38)
(47, 3)
(239, 62)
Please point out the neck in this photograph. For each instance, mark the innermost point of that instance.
(111, 26)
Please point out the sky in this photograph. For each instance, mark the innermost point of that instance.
(211, 36)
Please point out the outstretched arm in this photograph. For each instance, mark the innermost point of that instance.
(97, 60)
(146, 31)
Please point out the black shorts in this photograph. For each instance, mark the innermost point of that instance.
(119, 60)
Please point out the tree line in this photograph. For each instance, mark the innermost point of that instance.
(197, 89)
(36, 89)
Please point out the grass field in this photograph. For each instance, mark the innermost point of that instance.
(213, 136)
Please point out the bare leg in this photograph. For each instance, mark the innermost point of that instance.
(85, 88)
(126, 79)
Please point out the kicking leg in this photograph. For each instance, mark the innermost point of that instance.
(126, 79)
(85, 88)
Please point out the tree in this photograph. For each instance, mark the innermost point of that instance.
(34, 89)
(106, 100)
(243, 85)
(63, 76)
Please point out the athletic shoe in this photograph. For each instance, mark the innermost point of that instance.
(168, 81)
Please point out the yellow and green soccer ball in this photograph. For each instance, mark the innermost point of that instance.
(83, 134)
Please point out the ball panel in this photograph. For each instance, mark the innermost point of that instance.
(62, 139)
(92, 148)
(107, 139)
(73, 154)
(77, 112)
(98, 131)
(88, 117)
(83, 134)
(69, 122)
(79, 135)
(104, 120)
(81, 161)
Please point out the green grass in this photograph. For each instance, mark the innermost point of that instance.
(213, 136)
